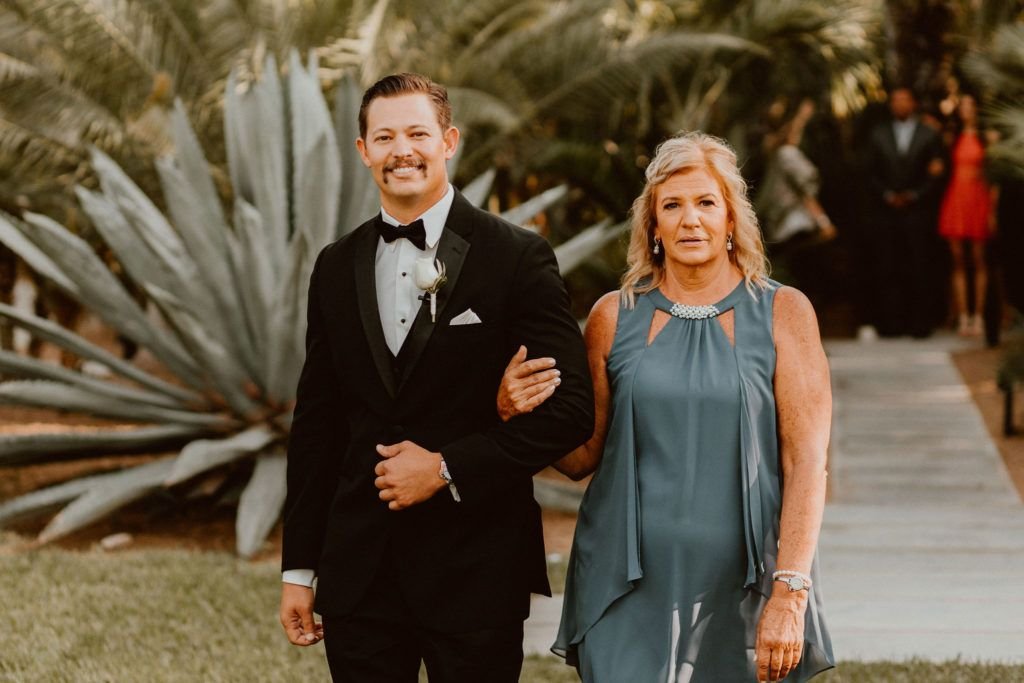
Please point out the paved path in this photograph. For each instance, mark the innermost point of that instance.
(922, 549)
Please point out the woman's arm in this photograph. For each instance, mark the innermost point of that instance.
(528, 383)
(598, 336)
(803, 399)
(825, 225)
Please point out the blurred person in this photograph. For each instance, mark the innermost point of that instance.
(694, 553)
(904, 167)
(408, 498)
(787, 203)
(794, 221)
(967, 217)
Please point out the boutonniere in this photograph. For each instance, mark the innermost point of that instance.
(430, 277)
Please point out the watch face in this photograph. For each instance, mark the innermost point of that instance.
(795, 583)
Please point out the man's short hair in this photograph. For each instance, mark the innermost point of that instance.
(905, 88)
(404, 84)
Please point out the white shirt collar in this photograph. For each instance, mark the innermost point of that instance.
(434, 218)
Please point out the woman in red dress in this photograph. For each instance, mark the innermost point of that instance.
(968, 214)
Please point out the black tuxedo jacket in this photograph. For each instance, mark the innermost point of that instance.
(462, 565)
(890, 171)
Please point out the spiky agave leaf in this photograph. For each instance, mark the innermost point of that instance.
(106, 494)
(261, 502)
(583, 245)
(531, 207)
(23, 366)
(23, 449)
(205, 454)
(356, 184)
(477, 191)
(46, 330)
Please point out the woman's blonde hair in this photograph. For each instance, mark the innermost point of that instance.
(686, 152)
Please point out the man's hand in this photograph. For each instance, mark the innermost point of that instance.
(409, 474)
(526, 384)
(898, 200)
(297, 615)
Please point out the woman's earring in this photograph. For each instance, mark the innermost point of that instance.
(657, 246)
(728, 242)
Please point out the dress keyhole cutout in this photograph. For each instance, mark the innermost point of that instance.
(726, 320)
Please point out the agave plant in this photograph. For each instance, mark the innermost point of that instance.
(230, 292)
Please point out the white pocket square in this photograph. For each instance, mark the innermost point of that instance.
(467, 317)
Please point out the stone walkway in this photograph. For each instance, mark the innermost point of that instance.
(922, 548)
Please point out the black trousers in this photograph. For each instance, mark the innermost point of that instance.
(905, 276)
(381, 641)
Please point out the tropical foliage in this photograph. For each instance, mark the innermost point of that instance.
(230, 291)
(551, 86)
(999, 71)
(76, 75)
(213, 180)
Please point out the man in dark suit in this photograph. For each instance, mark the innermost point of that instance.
(905, 163)
(407, 495)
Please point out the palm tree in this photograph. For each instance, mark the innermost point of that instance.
(999, 72)
(589, 87)
(587, 70)
(76, 75)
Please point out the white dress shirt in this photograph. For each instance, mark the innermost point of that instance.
(397, 294)
(397, 298)
(903, 131)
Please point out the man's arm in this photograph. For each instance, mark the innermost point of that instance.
(934, 167)
(480, 464)
(318, 440)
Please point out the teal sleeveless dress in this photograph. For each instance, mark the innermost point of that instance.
(678, 531)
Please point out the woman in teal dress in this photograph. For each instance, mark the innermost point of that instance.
(694, 554)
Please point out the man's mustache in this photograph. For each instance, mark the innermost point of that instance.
(398, 163)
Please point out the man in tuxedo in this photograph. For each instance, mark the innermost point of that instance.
(904, 166)
(408, 497)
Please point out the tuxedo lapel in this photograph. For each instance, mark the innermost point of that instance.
(366, 296)
(451, 251)
(889, 137)
(915, 140)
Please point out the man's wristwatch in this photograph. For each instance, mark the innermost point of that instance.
(445, 474)
(447, 477)
(795, 581)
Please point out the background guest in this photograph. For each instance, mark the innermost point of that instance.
(904, 165)
(967, 217)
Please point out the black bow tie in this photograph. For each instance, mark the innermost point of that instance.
(414, 232)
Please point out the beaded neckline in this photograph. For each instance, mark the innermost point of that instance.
(702, 312)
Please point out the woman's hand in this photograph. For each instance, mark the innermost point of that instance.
(526, 384)
(780, 634)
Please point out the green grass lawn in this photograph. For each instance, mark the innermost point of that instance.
(186, 616)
